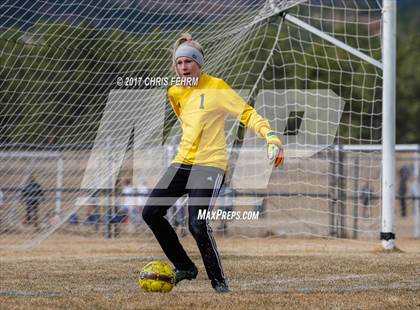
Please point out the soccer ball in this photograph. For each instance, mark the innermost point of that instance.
(157, 276)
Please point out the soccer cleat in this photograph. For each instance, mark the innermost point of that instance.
(185, 274)
(220, 286)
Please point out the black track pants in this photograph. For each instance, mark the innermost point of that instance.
(202, 185)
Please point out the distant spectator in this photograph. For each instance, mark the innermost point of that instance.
(32, 196)
(415, 194)
(404, 176)
(366, 197)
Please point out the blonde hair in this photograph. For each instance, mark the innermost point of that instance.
(187, 39)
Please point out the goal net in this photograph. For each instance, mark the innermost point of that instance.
(74, 83)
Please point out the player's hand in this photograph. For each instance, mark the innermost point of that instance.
(275, 150)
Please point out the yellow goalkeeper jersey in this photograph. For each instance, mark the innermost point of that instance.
(202, 110)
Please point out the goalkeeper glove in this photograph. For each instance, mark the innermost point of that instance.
(275, 151)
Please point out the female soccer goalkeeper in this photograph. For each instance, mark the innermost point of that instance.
(198, 168)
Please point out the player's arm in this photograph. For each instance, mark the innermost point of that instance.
(248, 116)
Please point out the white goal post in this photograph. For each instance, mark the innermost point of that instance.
(389, 54)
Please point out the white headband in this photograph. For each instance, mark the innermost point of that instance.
(185, 50)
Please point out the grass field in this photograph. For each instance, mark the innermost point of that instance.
(263, 273)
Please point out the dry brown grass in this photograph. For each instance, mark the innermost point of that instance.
(264, 274)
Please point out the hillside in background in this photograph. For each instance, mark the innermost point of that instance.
(70, 92)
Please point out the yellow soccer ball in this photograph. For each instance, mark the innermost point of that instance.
(157, 276)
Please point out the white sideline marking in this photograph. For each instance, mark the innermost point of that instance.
(19, 293)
